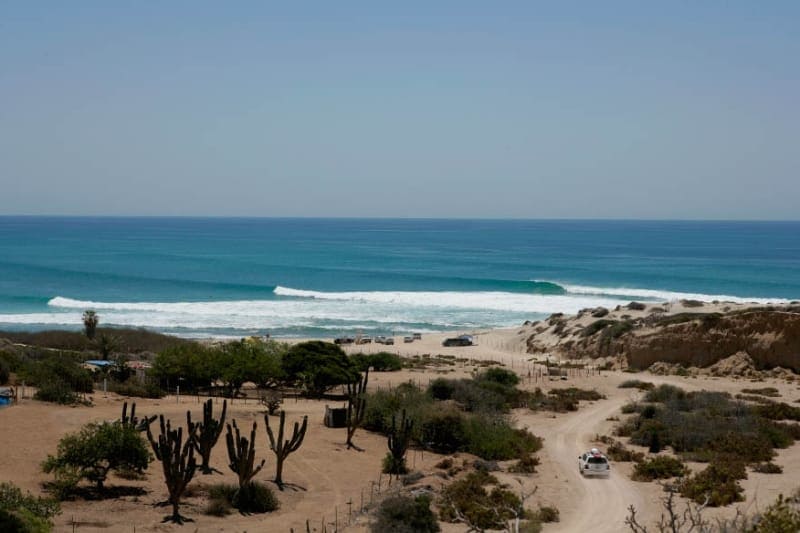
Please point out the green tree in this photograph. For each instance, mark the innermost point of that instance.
(189, 365)
(106, 344)
(98, 449)
(90, 321)
(237, 362)
(318, 366)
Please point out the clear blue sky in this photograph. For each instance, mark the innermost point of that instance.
(416, 109)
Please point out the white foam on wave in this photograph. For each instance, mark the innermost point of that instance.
(488, 300)
(665, 296)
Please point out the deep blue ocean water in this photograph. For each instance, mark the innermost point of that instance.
(325, 277)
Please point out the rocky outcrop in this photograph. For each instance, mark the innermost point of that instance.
(761, 339)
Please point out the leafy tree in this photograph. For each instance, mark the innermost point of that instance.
(106, 344)
(98, 449)
(237, 362)
(90, 321)
(189, 365)
(318, 366)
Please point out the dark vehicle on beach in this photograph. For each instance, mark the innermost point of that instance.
(344, 340)
(461, 340)
(417, 336)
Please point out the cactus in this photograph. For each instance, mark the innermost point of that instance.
(398, 441)
(177, 460)
(356, 406)
(208, 432)
(132, 420)
(283, 448)
(242, 454)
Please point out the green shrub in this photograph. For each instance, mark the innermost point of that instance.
(499, 375)
(253, 497)
(495, 439)
(482, 509)
(379, 362)
(394, 465)
(718, 484)
(135, 389)
(405, 514)
(98, 449)
(780, 517)
(25, 513)
(636, 384)
(778, 411)
(441, 388)
(767, 468)
(525, 465)
(547, 514)
(444, 432)
(596, 326)
(661, 467)
(764, 391)
(617, 451)
(217, 507)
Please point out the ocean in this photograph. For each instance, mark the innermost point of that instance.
(201, 277)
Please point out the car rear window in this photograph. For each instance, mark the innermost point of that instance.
(597, 460)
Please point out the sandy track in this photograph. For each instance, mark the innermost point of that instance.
(586, 504)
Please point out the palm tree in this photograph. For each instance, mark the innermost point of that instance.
(90, 320)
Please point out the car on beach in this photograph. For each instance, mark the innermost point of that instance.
(388, 340)
(461, 340)
(417, 336)
(594, 463)
(344, 340)
(364, 340)
(408, 338)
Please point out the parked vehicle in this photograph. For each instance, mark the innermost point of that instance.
(408, 338)
(461, 340)
(388, 340)
(343, 340)
(364, 340)
(593, 463)
(417, 336)
(380, 339)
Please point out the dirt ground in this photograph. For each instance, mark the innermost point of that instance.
(329, 482)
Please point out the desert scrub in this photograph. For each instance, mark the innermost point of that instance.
(480, 508)
(718, 484)
(763, 391)
(547, 514)
(24, 512)
(525, 465)
(405, 514)
(596, 326)
(636, 384)
(253, 497)
(767, 468)
(661, 467)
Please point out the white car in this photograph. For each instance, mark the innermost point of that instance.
(594, 463)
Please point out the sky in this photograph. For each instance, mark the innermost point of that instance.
(687, 110)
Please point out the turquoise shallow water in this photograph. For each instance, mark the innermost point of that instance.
(323, 277)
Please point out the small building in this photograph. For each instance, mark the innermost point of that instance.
(335, 417)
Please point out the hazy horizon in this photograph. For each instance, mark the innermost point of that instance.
(617, 111)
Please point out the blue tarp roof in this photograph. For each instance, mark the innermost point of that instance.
(99, 362)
